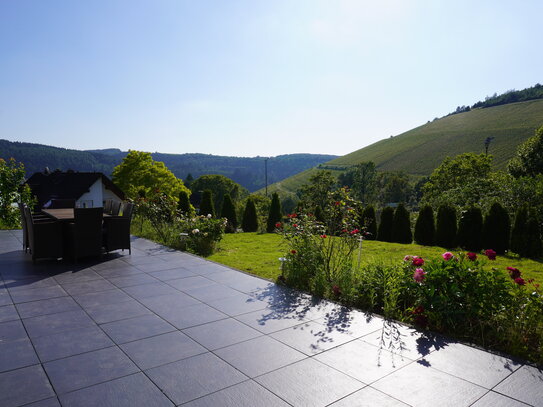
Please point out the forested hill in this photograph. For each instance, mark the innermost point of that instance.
(247, 171)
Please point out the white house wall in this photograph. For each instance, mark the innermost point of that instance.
(93, 198)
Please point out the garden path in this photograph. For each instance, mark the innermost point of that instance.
(163, 328)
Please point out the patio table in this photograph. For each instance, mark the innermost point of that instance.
(64, 214)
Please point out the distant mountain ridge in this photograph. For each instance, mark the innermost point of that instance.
(247, 171)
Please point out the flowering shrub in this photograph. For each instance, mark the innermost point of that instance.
(200, 234)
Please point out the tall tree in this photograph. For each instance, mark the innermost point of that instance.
(184, 203)
(446, 226)
(250, 218)
(401, 225)
(275, 214)
(496, 229)
(369, 222)
(189, 179)
(534, 248)
(316, 192)
(206, 206)
(470, 229)
(228, 211)
(528, 160)
(425, 229)
(519, 236)
(139, 172)
(384, 233)
(220, 185)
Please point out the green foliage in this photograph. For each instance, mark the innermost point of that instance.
(362, 180)
(497, 229)
(534, 247)
(425, 229)
(368, 222)
(12, 175)
(189, 179)
(138, 172)
(316, 192)
(519, 236)
(228, 211)
(393, 187)
(275, 215)
(184, 203)
(384, 233)
(220, 185)
(528, 160)
(249, 222)
(446, 226)
(512, 96)
(470, 229)
(201, 234)
(207, 207)
(401, 225)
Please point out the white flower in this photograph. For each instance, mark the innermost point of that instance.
(209, 216)
(194, 231)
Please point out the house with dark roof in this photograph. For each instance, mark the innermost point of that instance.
(88, 189)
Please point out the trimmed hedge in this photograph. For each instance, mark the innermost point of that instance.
(446, 226)
(401, 225)
(425, 228)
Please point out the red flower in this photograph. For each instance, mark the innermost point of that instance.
(336, 290)
(293, 251)
(472, 256)
(513, 272)
(292, 215)
(520, 281)
(295, 225)
(417, 261)
(278, 225)
(337, 203)
(420, 320)
(323, 236)
(354, 232)
(344, 231)
(418, 310)
(491, 254)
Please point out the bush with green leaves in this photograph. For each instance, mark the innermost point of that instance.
(201, 234)
(446, 226)
(274, 214)
(228, 211)
(368, 222)
(207, 206)
(470, 229)
(401, 225)
(425, 229)
(497, 229)
(12, 175)
(384, 233)
(519, 237)
(249, 222)
(534, 247)
(183, 204)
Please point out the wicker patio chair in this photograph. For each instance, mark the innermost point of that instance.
(84, 237)
(117, 230)
(115, 208)
(44, 238)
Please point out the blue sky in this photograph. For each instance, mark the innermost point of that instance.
(253, 77)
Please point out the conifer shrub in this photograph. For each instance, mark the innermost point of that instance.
(274, 215)
(496, 229)
(534, 247)
(384, 233)
(319, 215)
(470, 229)
(250, 218)
(184, 205)
(206, 206)
(446, 226)
(401, 225)
(228, 211)
(425, 228)
(519, 235)
(369, 222)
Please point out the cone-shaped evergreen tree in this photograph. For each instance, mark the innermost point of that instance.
(275, 214)
(470, 229)
(533, 233)
(496, 229)
(228, 211)
(250, 219)
(369, 222)
(425, 228)
(206, 206)
(446, 226)
(184, 203)
(384, 233)
(519, 235)
(401, 225)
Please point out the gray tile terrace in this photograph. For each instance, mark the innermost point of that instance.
(164, 328)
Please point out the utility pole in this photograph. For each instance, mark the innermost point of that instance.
(266, 173)
(487, 144)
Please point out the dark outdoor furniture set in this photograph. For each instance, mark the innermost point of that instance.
(75, 232)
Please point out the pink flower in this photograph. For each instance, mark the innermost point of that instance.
(417, 261)
(491, 254)
(514, 273)
(419, 275)
(520, 281)
(472, 256)
(323, 236)
(447, 256)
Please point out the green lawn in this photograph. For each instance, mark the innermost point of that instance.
(259, 254)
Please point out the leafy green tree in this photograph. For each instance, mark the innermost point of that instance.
(206, 206)
(446, 226)
(528, 160)
(275, 214)
(220, 185)
(534, 248)
(384, 233)
(250, 218)
(316, 192)
(470, 229)
(319, 214)
(401, 225)
(138, 172)
(519, 235)
(496, 229)
(189, 180)
(425, 229)
(228, 211)
(369, 222)
(364, 179)
(184, 203)
(393, 186)
(12, 176)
